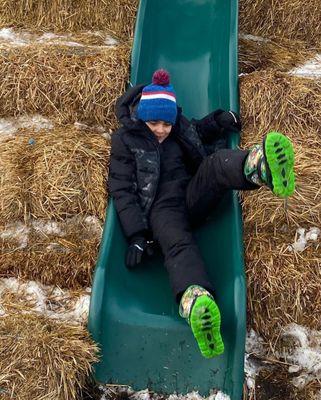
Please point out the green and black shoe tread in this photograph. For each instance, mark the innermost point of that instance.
(205, 321)
(279, 156)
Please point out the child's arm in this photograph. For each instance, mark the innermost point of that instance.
(216, 123)
(123, 188)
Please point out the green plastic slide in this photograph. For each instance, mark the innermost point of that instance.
(133, 316)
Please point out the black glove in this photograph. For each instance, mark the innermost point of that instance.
(208, 126)
(138, 246)
(229, 121)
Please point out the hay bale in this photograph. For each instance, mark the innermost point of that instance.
(13, 171)
(69, 177)
(283, 285)
(117, 16)
(61, 253)
(64, 83)
(54, 175)
(274, 100)
(50, 359)
(290, 19)
(17, 296)
(257, 53)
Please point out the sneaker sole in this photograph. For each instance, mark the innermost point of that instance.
(279, 154)
(205, 321)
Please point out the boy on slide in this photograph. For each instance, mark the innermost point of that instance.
(167, 173)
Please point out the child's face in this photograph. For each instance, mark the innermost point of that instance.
(160, 129)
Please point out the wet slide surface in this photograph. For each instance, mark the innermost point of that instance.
(133, 316)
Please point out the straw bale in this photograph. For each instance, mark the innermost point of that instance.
(275, 100)
(17, 296)
(13, 171)
(291, 19)
(284, 286)
(62, 254)
(69, 176)
(278, 54)
(117, 16)
(54, 174)
(64, 83)
(50, 360)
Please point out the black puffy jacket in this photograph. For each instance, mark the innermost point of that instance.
(135, 159)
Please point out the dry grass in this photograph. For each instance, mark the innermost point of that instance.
(117, 16)
(67, 84)
(291, 19)
(64, 173)
(64, 256)
(283, 286)
(41, 358)
(273, 100)
(277, 54)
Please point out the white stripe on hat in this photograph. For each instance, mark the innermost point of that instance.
(146, 96)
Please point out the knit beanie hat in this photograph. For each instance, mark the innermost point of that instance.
(158, 100)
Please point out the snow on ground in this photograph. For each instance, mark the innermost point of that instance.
(311, 69)
(110, 392)
(302, 348)
(254, 348)
(49, 301)
(302, 237)
(15, 38)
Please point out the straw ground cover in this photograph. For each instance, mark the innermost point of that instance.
(64, 83)
(61, 254)
(257, 53)
(49, 360)
(117, 16)
(283, 286)
(291, 19)
(53, 175)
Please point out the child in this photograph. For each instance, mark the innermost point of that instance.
(167, 173)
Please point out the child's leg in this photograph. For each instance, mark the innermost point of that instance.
(269, 164)
(218, 173)
(188, 277)
(183, 261)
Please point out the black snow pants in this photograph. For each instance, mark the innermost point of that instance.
(171, 225)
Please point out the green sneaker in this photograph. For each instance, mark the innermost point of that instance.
(198, 307)
(279, 156)
(272, 164)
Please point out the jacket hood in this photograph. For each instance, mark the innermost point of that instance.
(126, 105)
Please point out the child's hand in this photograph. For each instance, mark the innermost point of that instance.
(230, 121)
(137, 247)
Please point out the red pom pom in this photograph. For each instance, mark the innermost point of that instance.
(161, 77)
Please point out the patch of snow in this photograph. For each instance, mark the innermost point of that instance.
(48, 227)
(64, 305)
(311, 69)
(254, 38)
(302, 348)
(94, 225)
(110, 41)
(17, 231)
(15, 39)
(10, 126)
(254, 347)
(301, 243)
(9, 36)
(111, 391)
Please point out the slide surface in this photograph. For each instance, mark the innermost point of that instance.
(133, 316)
